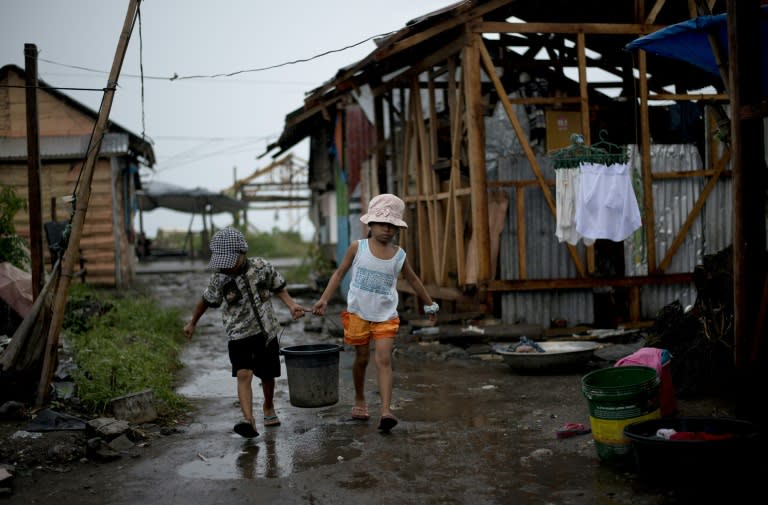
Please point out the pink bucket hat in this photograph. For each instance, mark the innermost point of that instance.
(385, 208)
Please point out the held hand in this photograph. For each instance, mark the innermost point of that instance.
(297, 312)
(319, 308)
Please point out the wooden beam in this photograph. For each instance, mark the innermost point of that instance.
(457, 103)
(427, 231)
(450, 23)
(34, 205)
(585, 283)
(406, 77)
(475, 114)
(573, 28)
(545, 189)
(522, 259)
(581, 51)
(655, 11)
(749, 183)
(649, 215)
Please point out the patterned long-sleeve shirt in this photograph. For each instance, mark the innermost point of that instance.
(243, 315)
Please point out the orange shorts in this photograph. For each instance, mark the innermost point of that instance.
(358, 331)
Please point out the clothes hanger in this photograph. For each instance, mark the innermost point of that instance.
(612, 153)
(602, 152)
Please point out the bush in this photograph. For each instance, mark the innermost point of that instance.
(13, 248)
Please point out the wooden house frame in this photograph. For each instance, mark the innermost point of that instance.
(464, 56)
(65, 127)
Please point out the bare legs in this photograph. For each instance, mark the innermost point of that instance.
(362, 356)
(268, 388)
(245, 394)
(383, 360)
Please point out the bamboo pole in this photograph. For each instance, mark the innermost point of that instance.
(81, 207)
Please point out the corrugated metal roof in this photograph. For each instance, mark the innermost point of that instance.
(112, 144)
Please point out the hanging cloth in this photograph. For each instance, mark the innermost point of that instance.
(566, 193)
(606, 206)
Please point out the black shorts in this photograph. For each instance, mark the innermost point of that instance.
(249, 353)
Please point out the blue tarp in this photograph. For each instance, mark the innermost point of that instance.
(687, 41)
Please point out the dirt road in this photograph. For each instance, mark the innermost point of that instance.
(472, 432)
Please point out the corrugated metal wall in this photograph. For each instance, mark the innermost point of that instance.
(546, 257)
(549, 259)
(711, 231)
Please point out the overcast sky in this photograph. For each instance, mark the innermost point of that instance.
(204, 130)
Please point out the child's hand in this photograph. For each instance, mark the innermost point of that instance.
(297, 312)
(319, 308)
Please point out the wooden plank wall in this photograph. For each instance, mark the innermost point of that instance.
(58, 184)
(100, 239)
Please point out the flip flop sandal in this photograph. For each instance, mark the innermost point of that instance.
(387, 422)
(360, 413)
(573, 429)
(246, 429)
(271, 421)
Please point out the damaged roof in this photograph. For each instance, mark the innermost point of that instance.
(441, 32)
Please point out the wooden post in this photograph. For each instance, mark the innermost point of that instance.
(749, 179)
(71, 255)
(33, 171)
(380, 155)
(645, 151)
(476, 142)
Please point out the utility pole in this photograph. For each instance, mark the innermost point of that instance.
(33, 171)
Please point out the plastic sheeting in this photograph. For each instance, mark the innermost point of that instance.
(16, 288)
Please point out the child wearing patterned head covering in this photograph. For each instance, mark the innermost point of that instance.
(243, 288)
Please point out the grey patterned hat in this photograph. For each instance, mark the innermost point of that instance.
(226, 245)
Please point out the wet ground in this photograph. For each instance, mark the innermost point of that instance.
(471, 431)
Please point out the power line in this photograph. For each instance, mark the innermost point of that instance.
(176, 77)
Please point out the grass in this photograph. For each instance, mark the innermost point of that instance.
(123, 344)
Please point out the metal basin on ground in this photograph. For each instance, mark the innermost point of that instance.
(557, 356)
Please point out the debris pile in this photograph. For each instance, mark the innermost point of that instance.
(700, 337)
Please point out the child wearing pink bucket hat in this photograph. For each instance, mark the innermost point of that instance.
(372, 299)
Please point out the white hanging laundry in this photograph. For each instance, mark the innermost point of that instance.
(606, 206)
(566, 194)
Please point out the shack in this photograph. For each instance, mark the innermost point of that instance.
(469, 112)
(108, 243)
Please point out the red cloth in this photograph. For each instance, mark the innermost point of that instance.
(700, 435)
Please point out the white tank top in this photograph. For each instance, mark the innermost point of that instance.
(372, 291)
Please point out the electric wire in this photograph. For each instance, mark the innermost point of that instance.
(176, 77)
